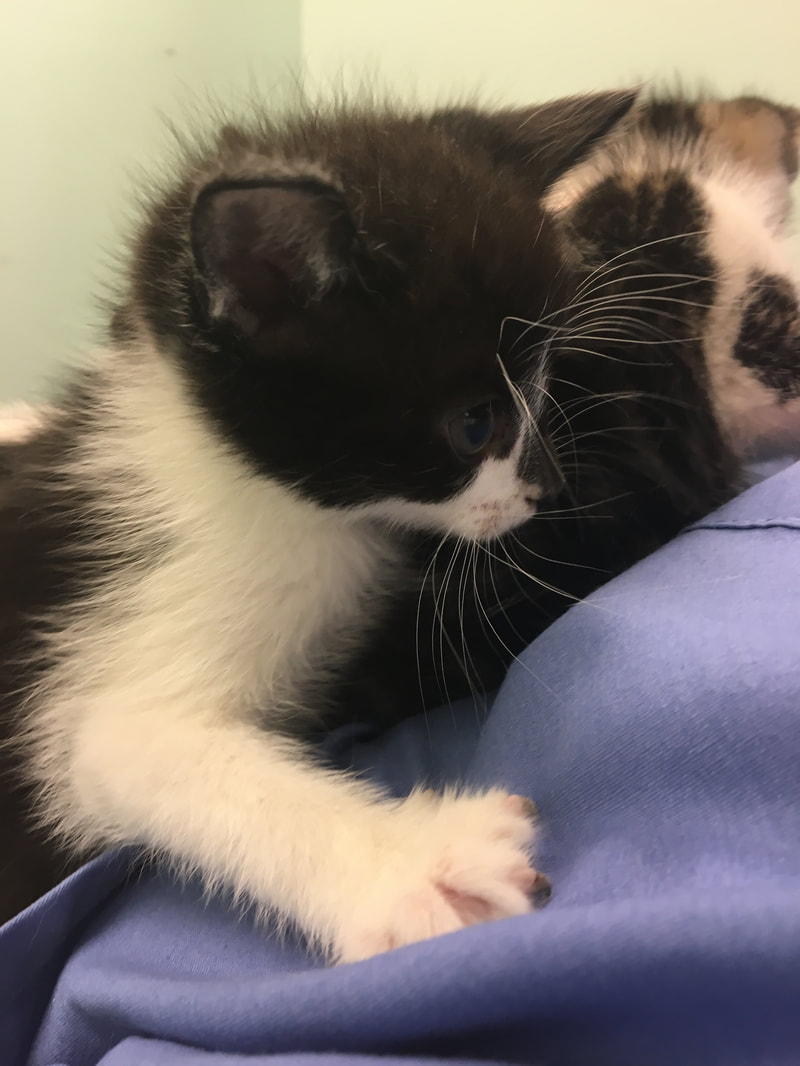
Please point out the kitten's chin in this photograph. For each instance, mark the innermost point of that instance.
(493, 526)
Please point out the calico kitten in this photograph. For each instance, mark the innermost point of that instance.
(347, 342)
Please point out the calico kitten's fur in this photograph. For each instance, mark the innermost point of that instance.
(346, 341)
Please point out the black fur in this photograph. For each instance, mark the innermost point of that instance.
(423, 275)
(661, 461)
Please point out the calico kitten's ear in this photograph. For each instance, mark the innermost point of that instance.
(547, 140)
(763, 134)
(263, 245)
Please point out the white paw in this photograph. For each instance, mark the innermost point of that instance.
(447, 862)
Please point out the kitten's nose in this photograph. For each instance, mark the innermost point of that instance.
(541, 468)
(550, 476)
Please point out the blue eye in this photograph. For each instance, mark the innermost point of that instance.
(470, 431)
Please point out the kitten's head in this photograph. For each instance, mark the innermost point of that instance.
(353, 300)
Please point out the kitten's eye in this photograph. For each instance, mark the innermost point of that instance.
(470, 431)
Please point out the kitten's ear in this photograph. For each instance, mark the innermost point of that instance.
(762, 133)
(547, 140)
(261, 246)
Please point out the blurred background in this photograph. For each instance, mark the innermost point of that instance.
(85, 86)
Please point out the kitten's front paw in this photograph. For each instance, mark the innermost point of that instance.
(455, 861)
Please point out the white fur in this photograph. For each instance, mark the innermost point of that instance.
(19, 422)
(148, 729)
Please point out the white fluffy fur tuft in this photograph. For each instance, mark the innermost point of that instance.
(20, 421)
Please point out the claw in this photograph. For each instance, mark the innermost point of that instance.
(525, 806)
(540, 891)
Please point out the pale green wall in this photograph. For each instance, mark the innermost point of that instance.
(81, 83)
(523, 50)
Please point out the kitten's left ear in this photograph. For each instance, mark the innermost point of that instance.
(546, 140)
(764, 134)
(262, 246)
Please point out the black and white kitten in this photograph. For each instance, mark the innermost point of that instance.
(347, 342)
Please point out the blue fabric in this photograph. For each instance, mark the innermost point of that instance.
(658, 728)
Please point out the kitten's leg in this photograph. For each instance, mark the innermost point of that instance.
(251, 812)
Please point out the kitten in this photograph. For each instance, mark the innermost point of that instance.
(345, 342)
